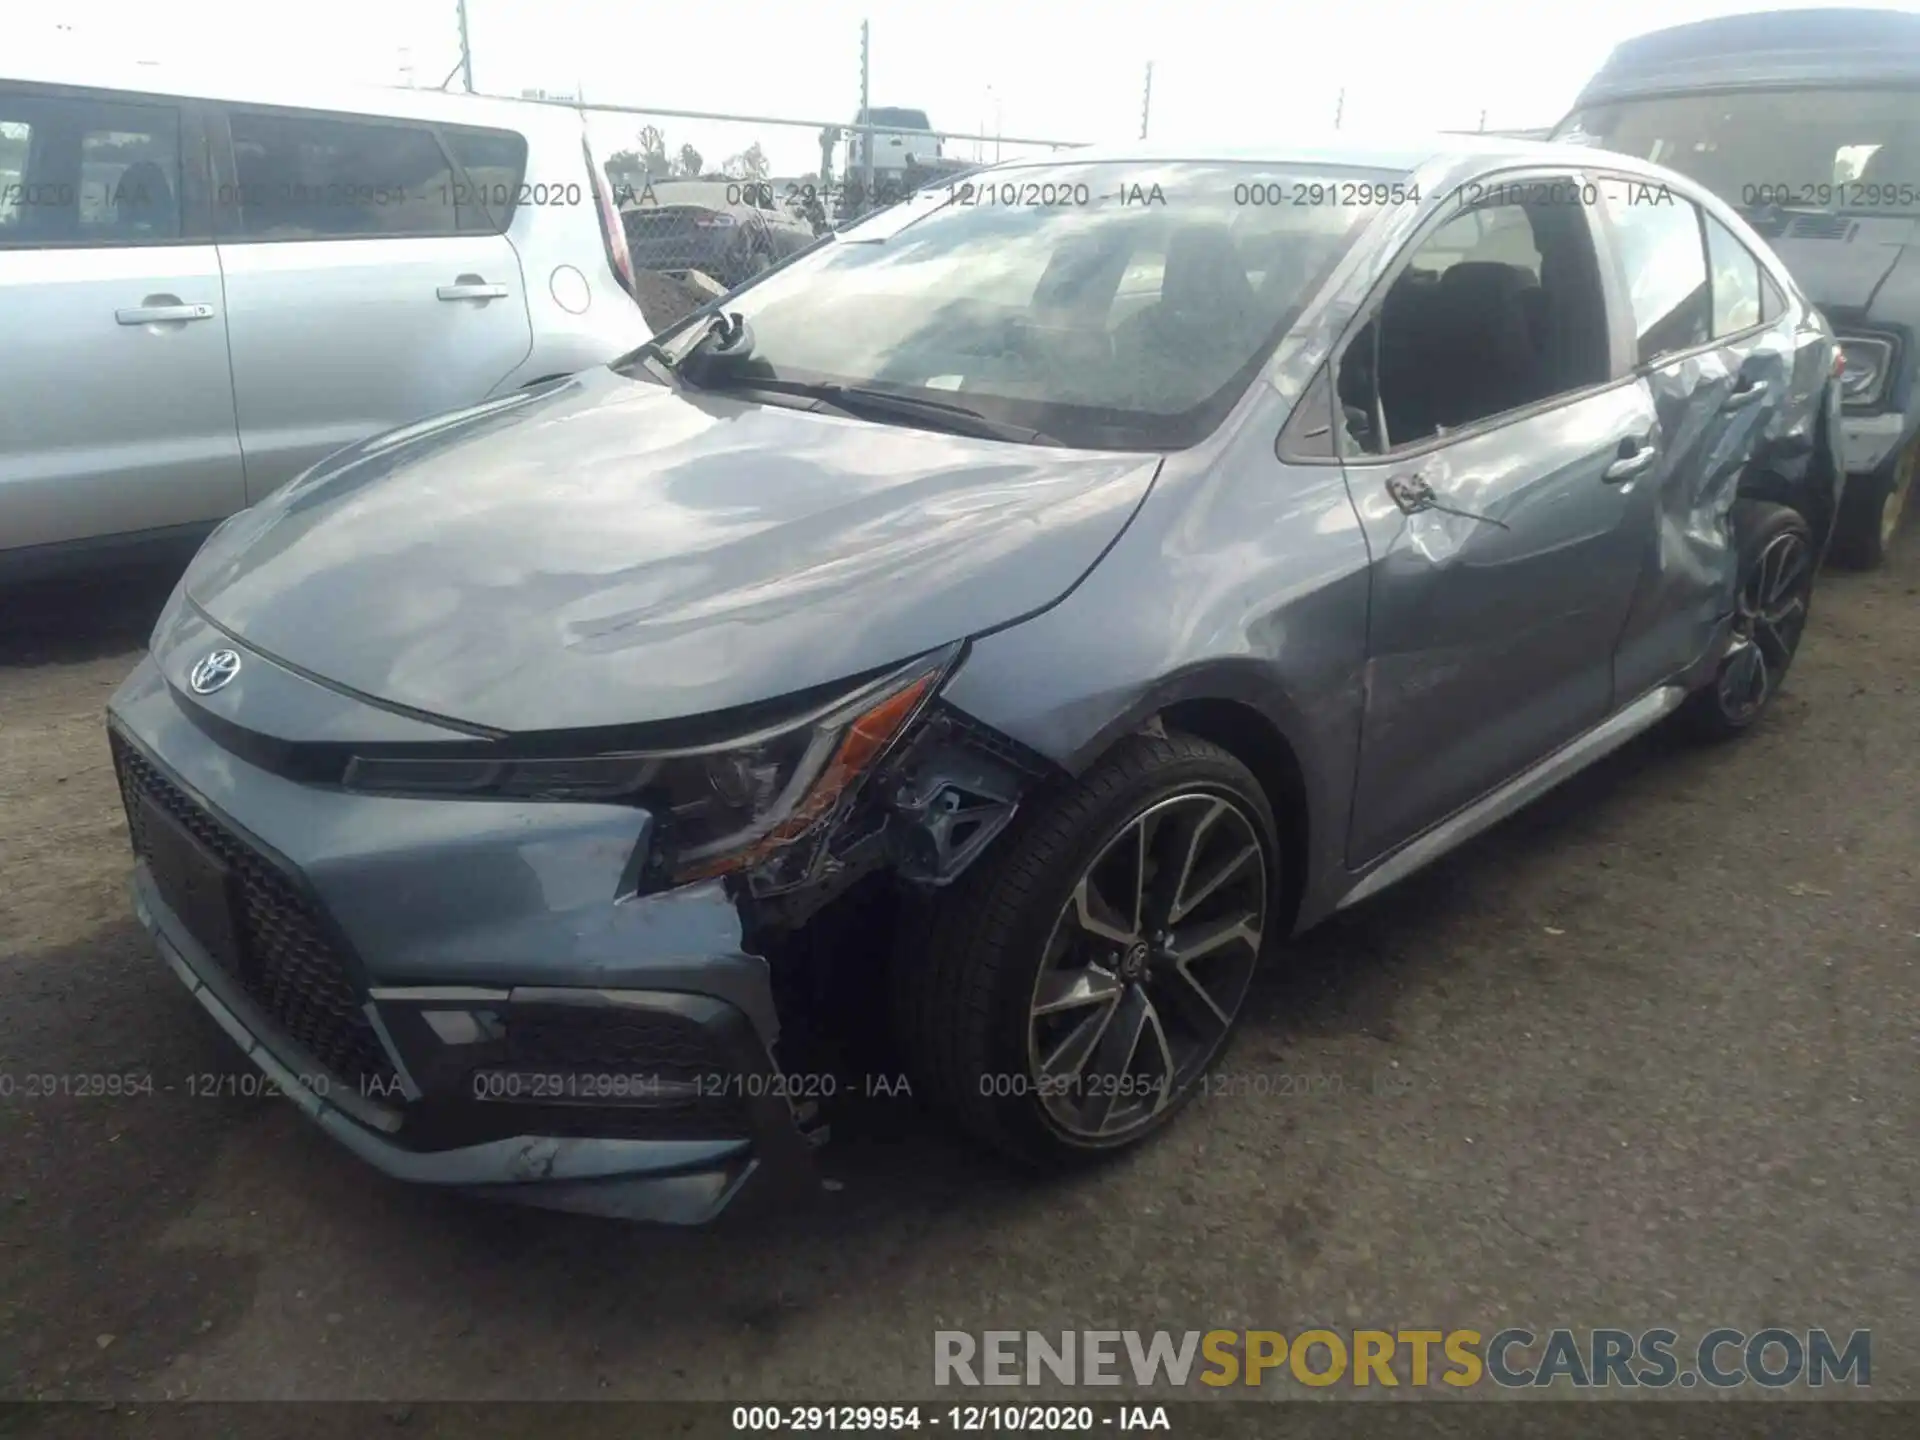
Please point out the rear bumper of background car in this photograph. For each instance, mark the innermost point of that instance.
(592, 1073)
(1866, 441)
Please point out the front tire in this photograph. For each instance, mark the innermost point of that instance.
(1777, 562)
(1080, 979)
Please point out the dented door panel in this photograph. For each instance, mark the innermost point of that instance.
(1494, 612)
(1716, 409)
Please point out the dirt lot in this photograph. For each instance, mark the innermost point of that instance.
(1650, 1053)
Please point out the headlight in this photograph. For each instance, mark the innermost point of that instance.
(1867, 365)
(718, 808)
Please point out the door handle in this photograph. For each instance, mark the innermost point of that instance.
(472, 290)
(156, 314)
(1745, 394)
(1628, 466)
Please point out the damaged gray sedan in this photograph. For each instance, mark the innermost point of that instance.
(1030, 606)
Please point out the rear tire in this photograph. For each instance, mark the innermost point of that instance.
(1870, 513)
(1077, 982)
(1776, 551)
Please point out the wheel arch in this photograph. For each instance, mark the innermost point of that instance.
(1256, 742)
(1238, 706)
(1813, 494)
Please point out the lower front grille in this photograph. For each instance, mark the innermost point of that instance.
(588, 1038)
(290, 970)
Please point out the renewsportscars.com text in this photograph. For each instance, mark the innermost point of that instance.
(1511, 1358)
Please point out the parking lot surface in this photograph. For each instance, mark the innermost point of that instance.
(1644, 1056)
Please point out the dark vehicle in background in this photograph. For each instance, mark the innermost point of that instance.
(1808, 123)
(729, 229)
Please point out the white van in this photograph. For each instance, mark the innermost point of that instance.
(206, 285)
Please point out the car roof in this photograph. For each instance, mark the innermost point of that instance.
(239, 85)
(1767, 48)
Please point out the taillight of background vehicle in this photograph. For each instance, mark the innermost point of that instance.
(611, 231)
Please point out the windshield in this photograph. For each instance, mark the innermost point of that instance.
(1856, 151)
(1107, 306)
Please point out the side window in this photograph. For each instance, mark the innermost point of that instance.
(1736, 281)
(16, 139)
(305, 177)
(1665, 265)
(1496, 310)
(1772, 303)
(495, 162)
(81, 171)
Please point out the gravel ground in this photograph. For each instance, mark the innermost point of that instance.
(1651, 1051)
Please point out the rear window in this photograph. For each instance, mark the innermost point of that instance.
(495, 162)
(899, 119)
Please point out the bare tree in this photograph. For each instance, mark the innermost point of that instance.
(653, 152)
(749, 164)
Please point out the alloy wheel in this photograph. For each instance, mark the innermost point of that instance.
(1147, 966)
(1769, 616)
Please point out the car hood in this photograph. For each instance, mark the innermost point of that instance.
(1844, 274)
(610, 551)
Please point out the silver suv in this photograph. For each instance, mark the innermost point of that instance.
(205, 288)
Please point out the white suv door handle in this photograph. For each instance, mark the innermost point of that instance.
(472, 290)
(156, 314)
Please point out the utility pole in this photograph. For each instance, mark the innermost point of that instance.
(466, 51)
(1146, 100)
(866, 142)
(1339, 107)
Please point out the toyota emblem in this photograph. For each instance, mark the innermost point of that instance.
(213, 671)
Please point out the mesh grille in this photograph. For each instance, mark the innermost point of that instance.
(590, 1039)
(295, 976)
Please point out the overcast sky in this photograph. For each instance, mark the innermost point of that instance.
(1049, 68)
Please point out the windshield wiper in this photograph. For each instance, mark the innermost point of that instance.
(724, 334)
(864, 400)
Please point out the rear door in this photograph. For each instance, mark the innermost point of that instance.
(1716, 371)
(367, 285)
(116, 401)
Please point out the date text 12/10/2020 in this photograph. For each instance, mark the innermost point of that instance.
(961, 1419)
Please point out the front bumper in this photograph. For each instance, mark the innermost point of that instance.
(590, 1052)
